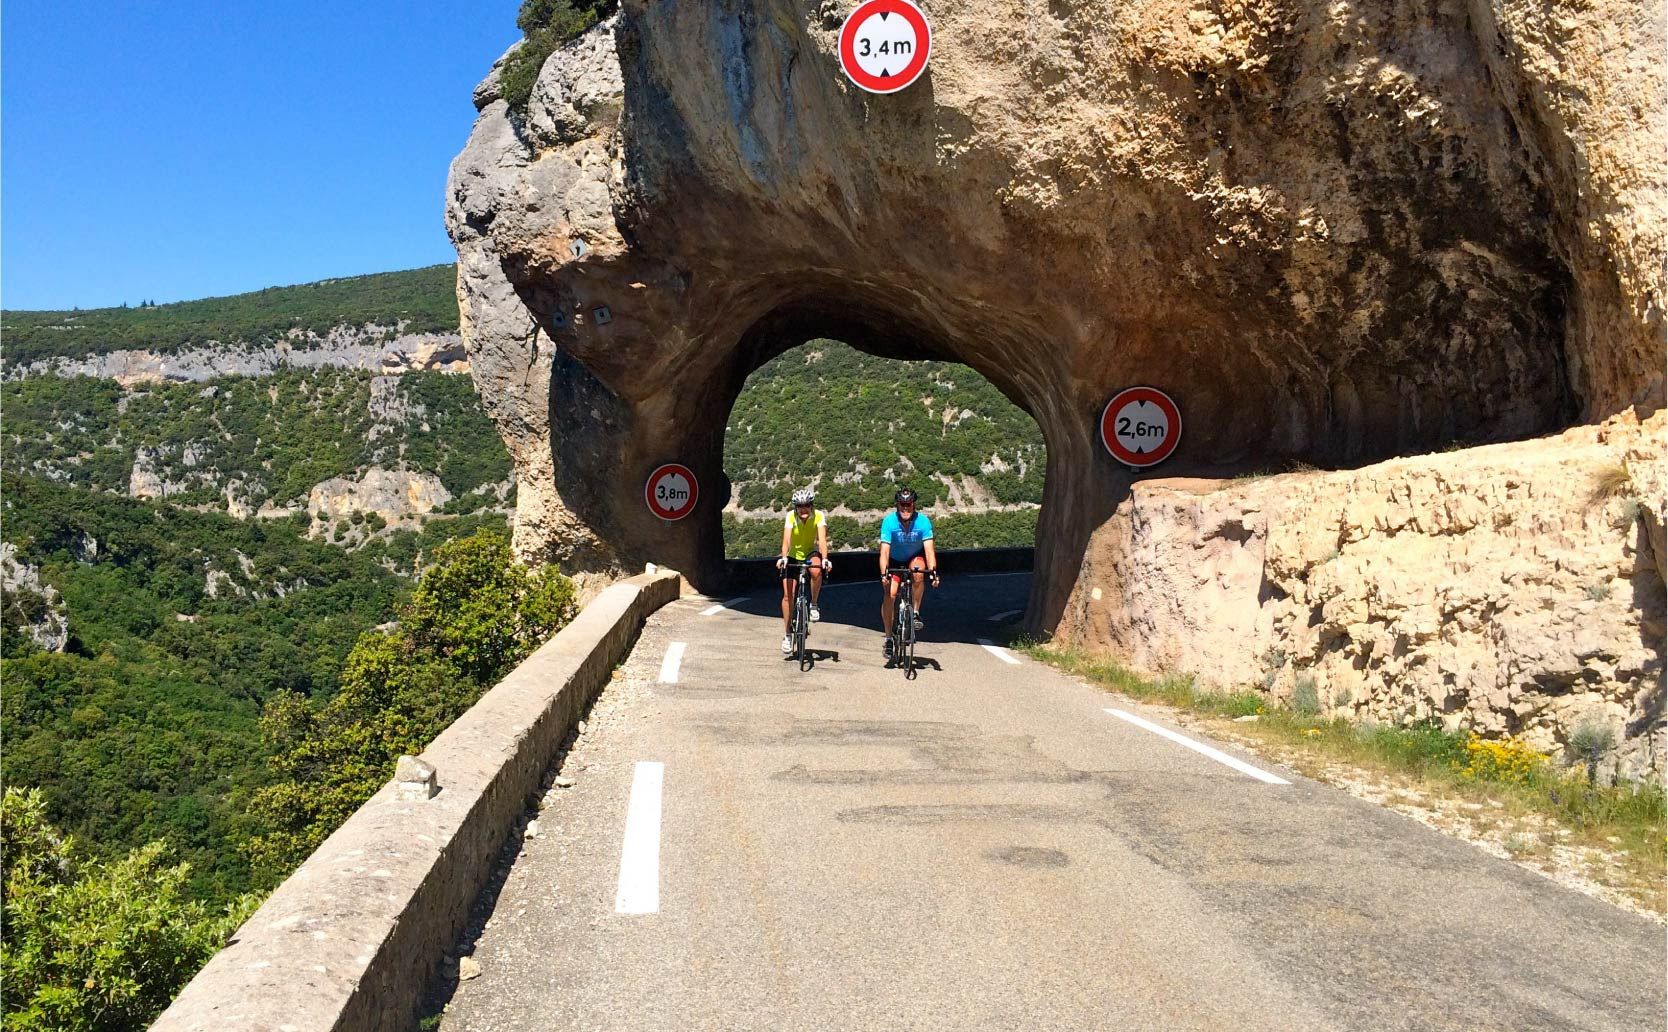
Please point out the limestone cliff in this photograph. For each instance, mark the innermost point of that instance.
(1336, 233)
(387, 349)
(1511, 589)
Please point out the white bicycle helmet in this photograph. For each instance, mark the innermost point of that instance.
(804, 496)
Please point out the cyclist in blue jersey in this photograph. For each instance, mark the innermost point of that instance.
(905, 540)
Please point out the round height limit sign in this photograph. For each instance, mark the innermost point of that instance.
(884, 45)
(671, 491)
(1140, 426)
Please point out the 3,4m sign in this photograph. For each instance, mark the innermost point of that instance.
(671, 491)
(884, 45)
(1140, 426)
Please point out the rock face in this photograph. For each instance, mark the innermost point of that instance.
(394, 495)
(1511, 589)
(1334, 233)
(29, 607)
(350, 347)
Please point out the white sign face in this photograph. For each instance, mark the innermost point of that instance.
(884, 45)
(1140, 426)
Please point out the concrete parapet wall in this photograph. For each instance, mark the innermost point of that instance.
(353, 937)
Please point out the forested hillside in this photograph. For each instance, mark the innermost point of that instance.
(248, 441)
(415, 300)
(180, 625)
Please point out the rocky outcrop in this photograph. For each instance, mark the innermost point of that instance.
(29, 607)
(1510, 589)
(1335, 233)
(369, 346)
(394, 495)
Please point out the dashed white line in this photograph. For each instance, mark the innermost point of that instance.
(998, 651)
(999, 617)
(1199, 747)
(669, 665)
(720, 607)
(639, 888)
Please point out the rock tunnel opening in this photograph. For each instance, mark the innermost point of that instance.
(854, 426)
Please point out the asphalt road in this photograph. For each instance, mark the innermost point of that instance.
(987, 848)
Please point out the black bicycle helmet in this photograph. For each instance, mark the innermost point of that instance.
(902, 495)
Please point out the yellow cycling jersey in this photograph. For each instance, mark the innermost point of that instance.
(802, 534)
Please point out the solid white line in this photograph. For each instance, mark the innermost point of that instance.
(639, 891)
(1199, 747)
(669, 665)
(708, 611)
(999, 617)
(998, 651)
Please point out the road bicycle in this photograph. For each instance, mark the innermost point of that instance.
(799, 615)
(903, 620)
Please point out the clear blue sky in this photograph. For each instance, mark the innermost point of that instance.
(183, 149)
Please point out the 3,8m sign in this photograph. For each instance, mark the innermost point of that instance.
(671, 491)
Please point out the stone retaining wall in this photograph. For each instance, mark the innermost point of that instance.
(353, 937)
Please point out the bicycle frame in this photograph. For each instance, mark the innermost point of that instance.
(903, 620)
(799, 625)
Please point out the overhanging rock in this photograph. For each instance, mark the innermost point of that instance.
(1334, 233)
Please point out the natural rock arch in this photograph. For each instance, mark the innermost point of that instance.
(1335, 234)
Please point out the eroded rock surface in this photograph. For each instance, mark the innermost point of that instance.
(1511, 589)
(1336, 233)
(29, 607)
(394, 494)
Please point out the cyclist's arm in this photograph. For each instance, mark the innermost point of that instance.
(932, 555)
(787, 536)
(822, 542)
(885, 556)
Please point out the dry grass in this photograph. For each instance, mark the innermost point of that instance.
(1608, 481)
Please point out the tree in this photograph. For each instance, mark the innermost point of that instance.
(91, 946)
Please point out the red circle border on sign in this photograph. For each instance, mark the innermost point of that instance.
(848, 45)
(1110, 439)
(662, 470)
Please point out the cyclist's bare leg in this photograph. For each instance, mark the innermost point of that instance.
(816, 578)
(887, 603)
(919, 565)
(787, 602)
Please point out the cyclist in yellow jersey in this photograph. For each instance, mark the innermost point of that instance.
(804, 539)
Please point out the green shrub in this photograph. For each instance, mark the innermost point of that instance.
(96, 946)
(546, 24)
(1306, 696)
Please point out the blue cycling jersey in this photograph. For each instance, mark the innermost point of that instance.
(905, 537)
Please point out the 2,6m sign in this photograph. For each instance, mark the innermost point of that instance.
(1140, 426)
(884, 45)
